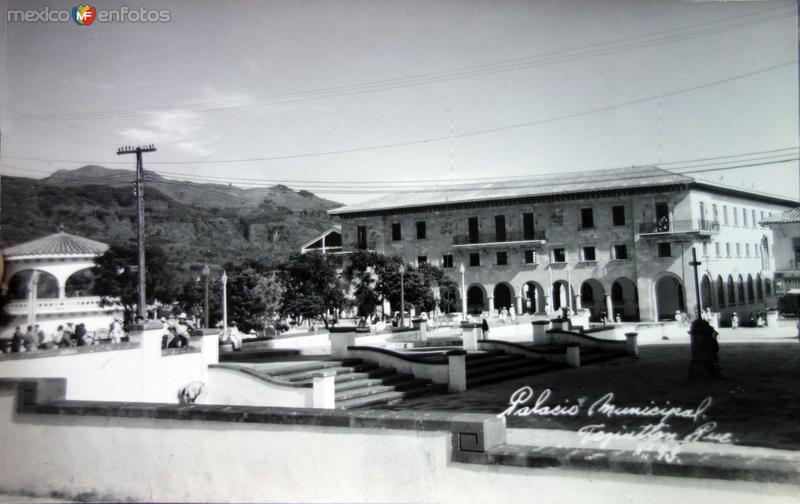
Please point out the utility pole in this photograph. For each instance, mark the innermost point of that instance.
(139, 216)
(694, 264)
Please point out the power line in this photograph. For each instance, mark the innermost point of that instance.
(448, 137)
(515, 64)
(521, 185)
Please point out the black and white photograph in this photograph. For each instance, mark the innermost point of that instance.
(400, 251)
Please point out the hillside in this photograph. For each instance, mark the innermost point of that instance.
(182, 218)
(192, 193)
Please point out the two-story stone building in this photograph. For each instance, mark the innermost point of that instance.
(615, 241)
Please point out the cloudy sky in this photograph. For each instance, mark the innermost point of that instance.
(354, 98)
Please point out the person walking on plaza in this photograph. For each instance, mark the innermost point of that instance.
(485, 329)
(735, 321)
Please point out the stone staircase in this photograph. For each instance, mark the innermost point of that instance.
(360, 384)
(484, 368)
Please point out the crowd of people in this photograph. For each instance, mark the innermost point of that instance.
(35, 338)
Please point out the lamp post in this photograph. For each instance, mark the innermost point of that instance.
(206, 272)
(224, 304)
(402, 295)
(462, 269)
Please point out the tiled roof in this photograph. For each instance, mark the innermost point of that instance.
(787, 217)
(574, 182)
(57, 244)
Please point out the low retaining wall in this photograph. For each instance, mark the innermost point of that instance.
(203, 453)
(506, 347)
(573, 338)
(237, 385)
(135, 371)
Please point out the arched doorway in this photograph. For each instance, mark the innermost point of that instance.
(47, 286)
(759, 287)
(720, 292)
(731, 291)
(532, 298)
(593, 298)
(750, 292)
(502, 296)
(625, 299)
(705, 292)
(476, 300)
(561, 293)
(740, 290)
(669, 297)
(80, 283)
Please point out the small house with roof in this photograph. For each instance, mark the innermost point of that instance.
(49, 282)
(786, 235)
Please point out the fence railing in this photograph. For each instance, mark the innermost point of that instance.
(678, 226)
(494, 237)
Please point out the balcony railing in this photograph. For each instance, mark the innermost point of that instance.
(679, 226)
(507, 237)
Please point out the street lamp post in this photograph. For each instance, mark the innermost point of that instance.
(462, 269)
(206, 272)
(402, 295)
(224, 304)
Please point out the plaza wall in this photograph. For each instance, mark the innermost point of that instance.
(134, 372)
(118, 458)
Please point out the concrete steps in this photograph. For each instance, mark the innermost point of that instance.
(500, 367)
(359, 384)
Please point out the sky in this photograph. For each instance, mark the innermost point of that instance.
(353, 98)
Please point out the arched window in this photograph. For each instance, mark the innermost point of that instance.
(80, 283)
(18, 284)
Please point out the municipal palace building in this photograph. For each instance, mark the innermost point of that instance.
(616, 241)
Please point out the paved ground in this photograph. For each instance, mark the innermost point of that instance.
(757, 399)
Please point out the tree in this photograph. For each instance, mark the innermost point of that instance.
(313, 286)
(116, 278)
(255, 293)
(448, 295)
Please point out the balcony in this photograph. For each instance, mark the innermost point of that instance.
(504, 239)
(666, 228)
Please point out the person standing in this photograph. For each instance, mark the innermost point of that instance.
(16, 340)
(29, 340)
(485, 329)
(42, 341)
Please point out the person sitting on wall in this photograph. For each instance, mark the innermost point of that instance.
(235, 336)
(80, 336)
(59, 338)
(182, 334)
(42, 341)
(183, 319)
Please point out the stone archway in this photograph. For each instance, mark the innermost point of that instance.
(740, 290)
(561, 295)
(47, 287)
(759, 287)
(593, 298)
(476, 299)
(731, 291)
(670, 297)
(625, 299)
(503, 296)
(532, 298)
(720, 292)
(705, 293)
